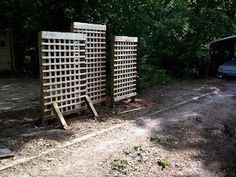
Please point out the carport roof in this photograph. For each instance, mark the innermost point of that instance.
(223, 42)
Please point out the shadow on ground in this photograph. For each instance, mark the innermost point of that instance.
(20, 128)
(205, 128)
(24, 133)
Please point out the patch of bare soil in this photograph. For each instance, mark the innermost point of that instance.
(17, 93)
(197, 139)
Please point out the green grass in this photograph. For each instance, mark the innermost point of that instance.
(163, 163)
(119, 164)
(141, 149)
(162, 139)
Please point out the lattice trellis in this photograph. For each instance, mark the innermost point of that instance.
(63, 71)
(123, 66)
(95, 57)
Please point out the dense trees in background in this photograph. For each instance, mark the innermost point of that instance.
(173, 34)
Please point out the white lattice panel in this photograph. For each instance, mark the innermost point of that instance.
(124, 72)
(63, 71)
(95, 57)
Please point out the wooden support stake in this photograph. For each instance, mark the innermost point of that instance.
(91, 107)
(4, 156)
(6, 153)
(131, 110)
(59, 116)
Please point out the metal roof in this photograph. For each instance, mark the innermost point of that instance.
(223, 42)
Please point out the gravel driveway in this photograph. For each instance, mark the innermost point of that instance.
(194, 139)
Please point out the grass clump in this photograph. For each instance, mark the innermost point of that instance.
(120, 164)
(141, 149)
(163, 163)
(162, 139)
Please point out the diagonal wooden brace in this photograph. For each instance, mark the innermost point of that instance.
(90, 104)
(59, 116)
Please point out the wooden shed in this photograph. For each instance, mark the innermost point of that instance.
(7, 62)
(220, 51)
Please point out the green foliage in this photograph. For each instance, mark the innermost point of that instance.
(162, 139)
(173, 34)
(150, 75)
(141, 150)
(119, 164)
(163, 163)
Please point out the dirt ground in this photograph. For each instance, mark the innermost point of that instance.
(194, 139)
(17, 93)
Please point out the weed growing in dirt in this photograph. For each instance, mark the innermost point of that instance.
(162, 139)
(141, 150)
(120, 164)
(163, 163)
(129, 160)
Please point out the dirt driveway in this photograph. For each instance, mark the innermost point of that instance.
(196, 138)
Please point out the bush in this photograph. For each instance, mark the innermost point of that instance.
(149, 75)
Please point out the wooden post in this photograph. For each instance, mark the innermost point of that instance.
(59, 116)
(41, 77)
(112, 70)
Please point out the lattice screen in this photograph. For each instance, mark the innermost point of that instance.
(95, 57)
(124, 73)
(63, 71)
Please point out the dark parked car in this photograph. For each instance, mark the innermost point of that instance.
(228, 68)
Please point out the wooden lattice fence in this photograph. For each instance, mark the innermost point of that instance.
(63, 71)
(95, 58)
(123, 67)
